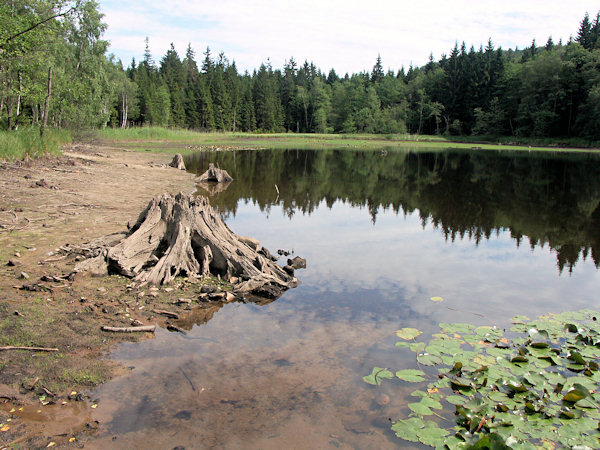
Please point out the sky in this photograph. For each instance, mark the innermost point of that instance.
(346, 35)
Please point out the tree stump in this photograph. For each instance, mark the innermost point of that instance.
(177, 162)
(214, 174)
(184, 236)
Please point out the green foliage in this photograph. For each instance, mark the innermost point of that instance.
(535, 384)
(544, 92)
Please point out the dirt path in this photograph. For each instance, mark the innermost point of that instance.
(90, 191)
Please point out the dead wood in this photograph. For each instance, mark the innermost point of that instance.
(169, 314)
(182, 235)
(33, 349)
(214, 174)
(149, 328)
(178, 162)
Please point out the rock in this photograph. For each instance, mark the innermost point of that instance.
(101, 289)
(297, 263)
(14, 263)
(289, 270)
(178, 162)
(24, 276)
(17, 255)
(383, 399)
(208, 289)
(214, 174)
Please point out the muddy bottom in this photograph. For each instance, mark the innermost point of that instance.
(252, 377)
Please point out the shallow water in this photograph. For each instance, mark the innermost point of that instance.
(494, 234)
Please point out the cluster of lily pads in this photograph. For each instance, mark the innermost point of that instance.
(533, 386)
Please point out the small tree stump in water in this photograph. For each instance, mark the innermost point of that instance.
(214, 174)
(183, 235)
(178, 162)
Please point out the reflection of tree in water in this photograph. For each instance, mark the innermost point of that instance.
(548, 199)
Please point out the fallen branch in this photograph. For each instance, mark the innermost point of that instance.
(149, 328)
(33, 349)
(169, 314)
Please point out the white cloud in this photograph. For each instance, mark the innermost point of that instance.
(345, 35)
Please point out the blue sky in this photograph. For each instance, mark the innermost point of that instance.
(346, 35)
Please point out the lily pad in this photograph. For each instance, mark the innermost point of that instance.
(411, 375)
(378, 375)
(408, 333)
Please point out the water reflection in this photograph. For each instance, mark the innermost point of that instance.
(544, 199)
(382, 233)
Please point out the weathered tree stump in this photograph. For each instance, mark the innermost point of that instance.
(177, 162)
(214, 174)
(184, 236)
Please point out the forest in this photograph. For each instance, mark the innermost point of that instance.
(55, 71)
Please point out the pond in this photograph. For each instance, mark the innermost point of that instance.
(495, 234)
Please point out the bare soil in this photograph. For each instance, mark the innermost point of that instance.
(46, 207)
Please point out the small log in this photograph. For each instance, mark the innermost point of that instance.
(169, 314)
(33, 349)
(149, 328)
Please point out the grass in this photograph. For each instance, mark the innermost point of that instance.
(155, 138)
(15, 145)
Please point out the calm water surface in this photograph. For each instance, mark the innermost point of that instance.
(494, 234)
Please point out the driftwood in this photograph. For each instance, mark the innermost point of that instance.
(149, 328)
(33, 349)
(169, 314)
(178, 162)
(214, 174)
(182, 235)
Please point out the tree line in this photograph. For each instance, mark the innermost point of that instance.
(540, 91)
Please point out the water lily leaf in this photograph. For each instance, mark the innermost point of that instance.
(408, 333)
(436, 299)
(417, 346)
(407, 429)
(519, 359)
(434, 437)
(540, 345)
(576, 357)
(578, 392)
(460, 382)
(403, 344)
(484, 360)
(377, 376)
(456, 399)
(431, 403)
(520, 319)
(420, 409)
(516, 386)
(461, 328)
(411, 375)
(429, 360)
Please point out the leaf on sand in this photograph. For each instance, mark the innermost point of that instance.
(436, 299)
(408, 333)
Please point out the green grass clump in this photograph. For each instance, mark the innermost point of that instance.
(27, 141)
